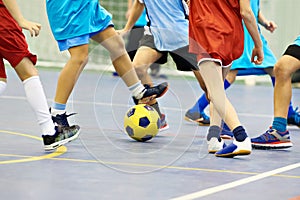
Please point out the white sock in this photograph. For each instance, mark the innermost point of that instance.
(55, 112)
(2, 87)
(37, 99)
(137, 90)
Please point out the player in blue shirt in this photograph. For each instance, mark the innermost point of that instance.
(277, 137)
(73, 23)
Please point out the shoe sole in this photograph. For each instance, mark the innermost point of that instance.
(164, 92)
(146, 100)
(237, 153)
(62, 142)
(285, 145)
(198, 121)
(226, 137)
(164, 128)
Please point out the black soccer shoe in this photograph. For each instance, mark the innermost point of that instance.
(150, 93)
(62, 136)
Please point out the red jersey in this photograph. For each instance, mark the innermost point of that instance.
(216, 29)
(13, 46)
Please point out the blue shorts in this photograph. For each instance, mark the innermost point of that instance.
(77, 41)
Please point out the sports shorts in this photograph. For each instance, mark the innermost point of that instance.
(76, 41)
(293, 50)
(13, 45)
(184, 60)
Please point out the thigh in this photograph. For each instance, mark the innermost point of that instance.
(145, 56)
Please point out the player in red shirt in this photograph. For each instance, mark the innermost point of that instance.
(14, 49)
(216, 36)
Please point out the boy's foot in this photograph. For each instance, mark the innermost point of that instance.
(62, 136)
(272, 139)
(61, 119)
(235, 149)
(163, 123)
(294, 119)
(215, 145)
(198, 117)
(152, 93)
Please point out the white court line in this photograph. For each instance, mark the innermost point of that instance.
(126, 105)
(237, 183)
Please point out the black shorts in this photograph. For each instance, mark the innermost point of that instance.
(293, 50)
(184, 60)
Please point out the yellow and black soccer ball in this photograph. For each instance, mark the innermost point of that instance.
(141, 122)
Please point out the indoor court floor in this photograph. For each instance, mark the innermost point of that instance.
(104, 163)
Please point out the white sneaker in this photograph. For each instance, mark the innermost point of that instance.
(214, 145)
(236, 149)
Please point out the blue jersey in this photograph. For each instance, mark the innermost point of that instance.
(168, 23)
(244, 62)
(69, 18)
(142, 21)
(297, 41)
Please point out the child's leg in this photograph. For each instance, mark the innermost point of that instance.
(70, 73)
(121, 61)
(212, 75)
(35, 95)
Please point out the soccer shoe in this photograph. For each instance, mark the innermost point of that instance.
(62, 136)
(200, 118)
(235, 149)
(163, 123)
(215, 145)
(272, 139)
(226, 133)
(294, 119)
(61, 119)
(151, 93)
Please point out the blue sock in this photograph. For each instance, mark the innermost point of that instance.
(58, 106)
(291, 109)
(202, 102)
(239, 133)
(279, 124)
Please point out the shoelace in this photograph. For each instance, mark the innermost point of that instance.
(64, 119)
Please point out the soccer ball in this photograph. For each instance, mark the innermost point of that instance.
(141, 122)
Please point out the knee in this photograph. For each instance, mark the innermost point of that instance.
(79, 60)
(117, 49)
(281, 72)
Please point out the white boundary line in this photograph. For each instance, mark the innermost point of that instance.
(237, 183)
(124, 105)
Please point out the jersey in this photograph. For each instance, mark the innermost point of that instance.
(216, 30)
(244, 62)
(168, 23)
(297, 41)
(69, 18)
(142, 20)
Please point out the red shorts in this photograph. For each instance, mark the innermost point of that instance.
(216, 30)
(13, 45)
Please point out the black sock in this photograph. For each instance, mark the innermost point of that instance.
(239, 133)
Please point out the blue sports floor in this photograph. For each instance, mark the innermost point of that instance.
(104, 163)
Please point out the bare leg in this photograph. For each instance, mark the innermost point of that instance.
(70, 73)
(283, 70)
